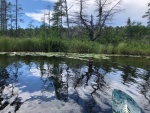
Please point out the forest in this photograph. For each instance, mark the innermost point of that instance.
(76, 32)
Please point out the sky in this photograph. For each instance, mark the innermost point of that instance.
(34, 10)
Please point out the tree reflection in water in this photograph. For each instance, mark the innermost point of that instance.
(3, 76)
(145, 89)
(79, 84)
(84, 83)
(11, 98)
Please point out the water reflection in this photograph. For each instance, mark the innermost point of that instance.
(129, 73)
(36, 84)
(145, 90)
(3, 76)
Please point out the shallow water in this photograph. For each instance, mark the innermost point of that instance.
(59, 85)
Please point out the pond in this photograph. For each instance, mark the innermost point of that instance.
(60, 85)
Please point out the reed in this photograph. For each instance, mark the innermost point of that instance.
(55, 44)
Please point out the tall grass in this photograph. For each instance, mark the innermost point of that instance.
(133, 47)
(72, 46)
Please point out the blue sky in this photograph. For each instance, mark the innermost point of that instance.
(32, 6)
(34, 10)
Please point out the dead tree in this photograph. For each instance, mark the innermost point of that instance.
(67, 16)
(105, 9)
(17, 14)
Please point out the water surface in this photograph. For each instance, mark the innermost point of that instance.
(59, 85)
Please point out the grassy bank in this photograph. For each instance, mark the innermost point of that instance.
(72, 46)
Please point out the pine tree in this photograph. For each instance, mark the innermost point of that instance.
(128, 29)
(3, 20)
(147, 14)
(57, 16)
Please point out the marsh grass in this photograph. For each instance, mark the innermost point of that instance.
(133, 47)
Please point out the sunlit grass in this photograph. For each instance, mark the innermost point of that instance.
(72, 46)
(133, 47)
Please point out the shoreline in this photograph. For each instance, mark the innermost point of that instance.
(84, 56)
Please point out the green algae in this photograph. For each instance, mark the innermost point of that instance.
(70, 55)
(59, 54)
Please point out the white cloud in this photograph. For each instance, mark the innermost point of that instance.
(133, 9)
(40, 15)
(50, 0)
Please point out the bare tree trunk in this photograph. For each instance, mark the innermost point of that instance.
(92, 29)
(61, 20)
(16, 17)
(1, 14)
(67, 17)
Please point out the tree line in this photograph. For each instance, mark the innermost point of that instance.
(79, 24)
(10, 17)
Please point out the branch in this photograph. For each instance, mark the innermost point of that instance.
(70, 8)
(106, 17)
(81, 15)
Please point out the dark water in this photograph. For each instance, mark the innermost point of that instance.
(59, 85)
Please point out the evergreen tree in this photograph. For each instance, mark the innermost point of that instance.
(147, 14)
(57, 16)
(129, 29)
(10, 17)
(3, 19)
